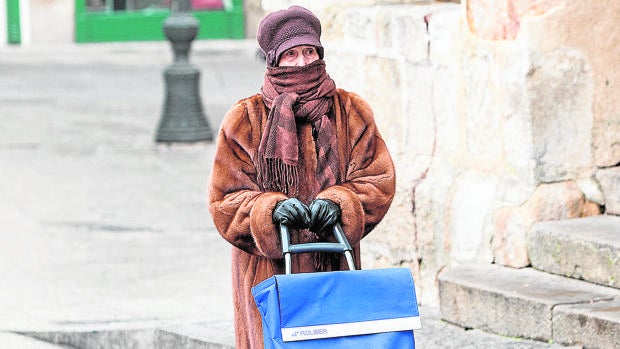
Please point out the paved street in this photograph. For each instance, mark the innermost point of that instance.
(103, 230)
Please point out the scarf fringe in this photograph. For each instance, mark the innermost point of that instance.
(279, 176)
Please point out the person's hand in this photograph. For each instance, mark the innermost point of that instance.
(323, 214)
(292, 213)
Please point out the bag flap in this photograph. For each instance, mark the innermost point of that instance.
(339, 297)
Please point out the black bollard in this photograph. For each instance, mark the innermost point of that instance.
(183, 118)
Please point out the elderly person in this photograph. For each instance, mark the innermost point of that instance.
(301, 153)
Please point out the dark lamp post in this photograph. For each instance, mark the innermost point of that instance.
(183, 118)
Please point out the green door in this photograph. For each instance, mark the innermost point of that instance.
(14, 35)
(142, 20)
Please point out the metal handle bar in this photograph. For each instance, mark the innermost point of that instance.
(342, 246)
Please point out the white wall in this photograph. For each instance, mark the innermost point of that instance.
(25, 22)
(3, 22)
(51, 21)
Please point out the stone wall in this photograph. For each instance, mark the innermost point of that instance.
(498, 113)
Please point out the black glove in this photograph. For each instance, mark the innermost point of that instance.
(292, 213)
(323, 214)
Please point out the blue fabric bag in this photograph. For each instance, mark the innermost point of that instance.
(339, 309)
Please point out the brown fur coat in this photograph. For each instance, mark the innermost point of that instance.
(242, 212)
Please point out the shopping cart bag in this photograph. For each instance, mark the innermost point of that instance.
(339, 309)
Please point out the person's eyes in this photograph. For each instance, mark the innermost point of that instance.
(309, 51)
(290, 53)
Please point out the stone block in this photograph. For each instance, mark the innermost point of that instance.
(360, 27)
(401, 29)
(603, 55)
(13, 340)
(500, 19)
(511, 302)
(482, 91)
(497, 119)
(609, 180)
(606, 132)
(581, 248)
(431, 237)
(212, 335)
(332, 19)
(591, 190)
(191, 336)
(470, 203)
(445, 113)
(560, 89)
(548, 202)
(591, 325)
(343, 67)
(431, 107)
(445, 26)
(418, 129)
(94, 338)
(393, 240)
(509, 245)
(386, 77)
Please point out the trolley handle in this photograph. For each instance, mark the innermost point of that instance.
(342, 246)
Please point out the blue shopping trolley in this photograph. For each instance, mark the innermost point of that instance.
(337, 309)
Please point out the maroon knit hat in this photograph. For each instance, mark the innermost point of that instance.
(284, 29)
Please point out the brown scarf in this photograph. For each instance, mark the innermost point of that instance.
(297, 94)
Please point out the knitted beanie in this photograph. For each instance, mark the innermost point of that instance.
(285, 29)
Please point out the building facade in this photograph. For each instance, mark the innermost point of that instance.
(40, 22)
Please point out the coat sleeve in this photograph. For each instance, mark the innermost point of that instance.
(369, 184)
(240, 211)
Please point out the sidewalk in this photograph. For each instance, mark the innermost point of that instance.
(105, 235)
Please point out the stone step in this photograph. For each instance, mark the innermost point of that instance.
(531, 304)
(14, 340)
(581, 248)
